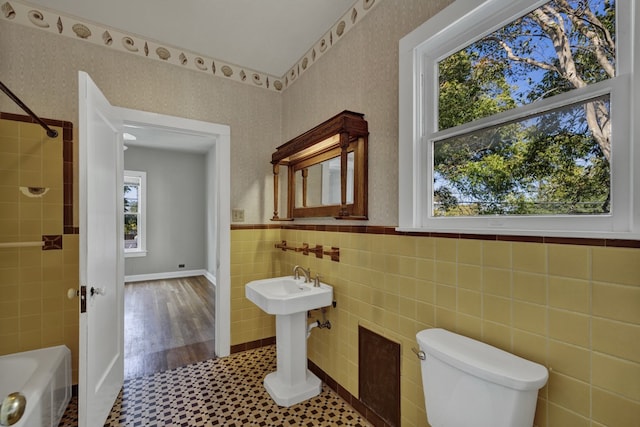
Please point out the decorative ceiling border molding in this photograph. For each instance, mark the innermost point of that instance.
(56, 23)
(359, 9)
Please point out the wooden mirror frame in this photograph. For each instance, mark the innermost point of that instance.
(344, 133)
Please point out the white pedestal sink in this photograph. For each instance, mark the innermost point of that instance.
(290, 299)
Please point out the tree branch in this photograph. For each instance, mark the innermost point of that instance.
(600, 125)
(512, 56)
(561, 44)
(600, 50)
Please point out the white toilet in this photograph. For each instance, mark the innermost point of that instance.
(470, 383)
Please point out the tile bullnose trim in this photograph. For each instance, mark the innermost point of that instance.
(254, 226)
(391, 230)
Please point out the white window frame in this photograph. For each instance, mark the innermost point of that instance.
(141, 250)
(457, 26)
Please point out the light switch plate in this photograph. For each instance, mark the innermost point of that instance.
(237, 215)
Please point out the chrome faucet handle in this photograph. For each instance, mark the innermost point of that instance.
(316, 281)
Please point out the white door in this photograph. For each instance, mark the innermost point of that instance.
(101, 362)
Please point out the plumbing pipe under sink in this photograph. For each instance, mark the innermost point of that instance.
(311, 326)
(326, 324)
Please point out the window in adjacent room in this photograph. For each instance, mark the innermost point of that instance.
(521, 119)
(134, 213)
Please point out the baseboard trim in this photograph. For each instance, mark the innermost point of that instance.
(355, 403)
(237, 348)
(210, 277)
(167, 275)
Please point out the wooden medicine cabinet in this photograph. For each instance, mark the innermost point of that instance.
(326, 170)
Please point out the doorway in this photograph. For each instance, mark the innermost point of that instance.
(101, 245)
(168, 301)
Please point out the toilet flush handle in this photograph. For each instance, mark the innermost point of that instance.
(421, 354)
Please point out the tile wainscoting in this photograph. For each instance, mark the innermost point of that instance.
(572, 305)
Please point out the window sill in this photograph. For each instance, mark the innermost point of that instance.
(135, 254)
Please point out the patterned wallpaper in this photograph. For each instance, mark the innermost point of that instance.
(56, 23)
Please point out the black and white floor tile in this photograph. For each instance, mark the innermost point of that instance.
(219, 392)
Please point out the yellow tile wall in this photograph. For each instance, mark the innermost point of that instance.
(253, 256)
(574, 309)
(34, 309)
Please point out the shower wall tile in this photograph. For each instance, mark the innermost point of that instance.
(9, 129)
(10, 161)
(10, 276)
(8, 195)
(9, 211)
(9, 146)
(9, 177)
(9, 308)
(30, 229)
(34, 310)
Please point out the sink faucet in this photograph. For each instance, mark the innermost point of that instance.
(307, 273)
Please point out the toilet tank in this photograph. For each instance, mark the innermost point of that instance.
(470, 383)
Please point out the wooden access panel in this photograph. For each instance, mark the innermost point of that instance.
(379, 375)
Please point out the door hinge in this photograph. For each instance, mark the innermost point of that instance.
(83, 299)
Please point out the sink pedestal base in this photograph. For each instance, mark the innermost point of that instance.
(292, 383)
(286, 395)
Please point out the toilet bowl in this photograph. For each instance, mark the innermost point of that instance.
(469, 383)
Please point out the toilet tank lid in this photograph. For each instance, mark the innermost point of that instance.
(482, 360)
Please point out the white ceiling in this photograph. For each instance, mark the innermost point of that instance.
(268, 36)
(166, 139)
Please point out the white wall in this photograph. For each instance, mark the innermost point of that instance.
(42, 69)
(176, 209)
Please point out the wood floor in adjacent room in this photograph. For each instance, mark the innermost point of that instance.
(167, 324)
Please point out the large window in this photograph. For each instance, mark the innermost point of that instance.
(516, 117)
(135, 213)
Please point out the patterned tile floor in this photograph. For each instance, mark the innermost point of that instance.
(219, 392)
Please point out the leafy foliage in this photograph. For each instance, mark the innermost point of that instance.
(130, 210)
(554, 163)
